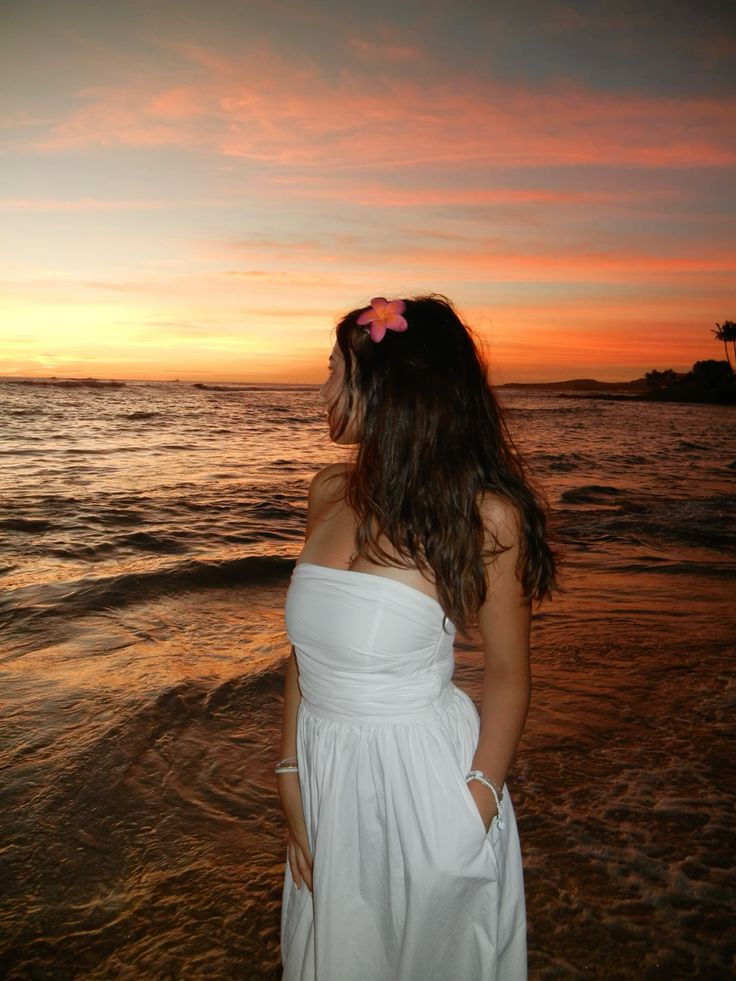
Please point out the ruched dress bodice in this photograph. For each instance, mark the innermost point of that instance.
(407, 883)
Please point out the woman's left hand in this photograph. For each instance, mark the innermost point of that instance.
(483, 801)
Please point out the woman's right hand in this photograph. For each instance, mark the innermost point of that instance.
(300, 854)
(300, 861)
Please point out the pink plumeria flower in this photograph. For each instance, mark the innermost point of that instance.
(383, 315)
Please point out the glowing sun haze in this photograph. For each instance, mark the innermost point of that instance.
(198, 191)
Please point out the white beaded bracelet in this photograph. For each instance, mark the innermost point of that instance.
(285, 765)
(498, 797)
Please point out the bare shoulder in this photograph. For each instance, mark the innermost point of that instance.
(501, 516)
(328, 484)
(326, 493)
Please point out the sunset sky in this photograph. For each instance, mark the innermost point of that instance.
(198, 190)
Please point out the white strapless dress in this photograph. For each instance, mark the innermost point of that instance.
(407, 883)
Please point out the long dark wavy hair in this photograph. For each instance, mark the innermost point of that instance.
(432, 440)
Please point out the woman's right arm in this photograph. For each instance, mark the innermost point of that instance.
(300, 855)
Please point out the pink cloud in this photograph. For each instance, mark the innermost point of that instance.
(176, 104)
(264, 107)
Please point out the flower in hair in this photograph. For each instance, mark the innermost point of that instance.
(383, 315)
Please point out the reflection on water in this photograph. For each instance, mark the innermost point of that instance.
(148, 533)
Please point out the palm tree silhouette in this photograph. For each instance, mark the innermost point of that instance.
(727, 332)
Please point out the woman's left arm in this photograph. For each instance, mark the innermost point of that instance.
(504, 622)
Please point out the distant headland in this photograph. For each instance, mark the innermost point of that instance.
(583, 385)
(55, 382)
(709, 382)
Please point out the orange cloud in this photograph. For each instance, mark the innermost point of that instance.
(489, 261)
(376, 195)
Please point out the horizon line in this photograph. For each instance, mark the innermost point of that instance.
(283, 384)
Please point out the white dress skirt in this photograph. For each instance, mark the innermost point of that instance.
(407, 883)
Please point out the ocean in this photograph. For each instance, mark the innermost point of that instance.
(147, 536)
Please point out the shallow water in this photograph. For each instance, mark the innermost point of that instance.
(147, 539)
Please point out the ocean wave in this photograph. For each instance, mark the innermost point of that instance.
(220, 388)
(196, 699)
(150, 542)
(670, 567)
(564, 462)
(591, 494)
(72, 599)
(96, 451)
(685, 445)
(25, 524)
(628, 520)
(191, 700)
(113, 517)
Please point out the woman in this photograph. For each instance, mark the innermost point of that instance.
(403, 859)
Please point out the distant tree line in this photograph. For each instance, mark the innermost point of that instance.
(707, 381)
